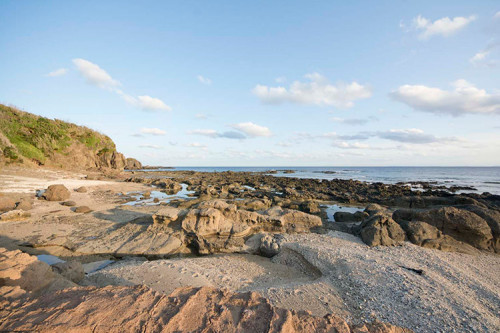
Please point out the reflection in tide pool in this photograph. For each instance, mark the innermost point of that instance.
(332, 209)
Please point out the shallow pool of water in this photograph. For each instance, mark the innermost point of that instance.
(184, 193)
(332, 209)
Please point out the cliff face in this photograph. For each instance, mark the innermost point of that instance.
(29, 139)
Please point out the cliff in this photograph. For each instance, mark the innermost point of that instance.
(29, 139)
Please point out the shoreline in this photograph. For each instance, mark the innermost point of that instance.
(324, 269)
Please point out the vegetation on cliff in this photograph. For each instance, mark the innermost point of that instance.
(27, 137)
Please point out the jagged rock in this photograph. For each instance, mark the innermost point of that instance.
(461, 224)
(166, 215)
(81, 189)
(82, 209)
(310, 207)
(381, 229)
(170, 186)
(188, 309)
(426, 235)
(6, 204)
(71, 270)
(27, 274)
(254, 205)
(373, 209)
(132, 164)
(113, 160)
(13, 215)
(56, 193)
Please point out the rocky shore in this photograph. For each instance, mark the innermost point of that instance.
(315, 251)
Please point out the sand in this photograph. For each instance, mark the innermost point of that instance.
(456, 292)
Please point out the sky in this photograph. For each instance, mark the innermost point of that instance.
(264, 83)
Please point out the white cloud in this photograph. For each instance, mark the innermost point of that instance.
(150, 103)
(95, 74)
(280, 79)
(444, 26)
(58, 72)
(153, 131)
(215, 134)
(201, 116)
(252, 130)
(99, 77)
(465, 98)
(497, 15)
(479, 57)
(412, 135)
(196, 145)
(204, 80)
(347, 145)
(317, 91)
(151, 146)
(354, 121)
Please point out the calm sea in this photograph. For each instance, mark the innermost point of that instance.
(484, 179)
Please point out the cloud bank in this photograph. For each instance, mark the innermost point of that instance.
(465, 98)
(316, 91)
(443, 27)
(97, 76)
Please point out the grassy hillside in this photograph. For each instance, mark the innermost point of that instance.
(27, 136)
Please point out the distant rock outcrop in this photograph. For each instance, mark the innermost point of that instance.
(33, 140)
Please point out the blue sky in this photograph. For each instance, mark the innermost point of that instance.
(261, 83)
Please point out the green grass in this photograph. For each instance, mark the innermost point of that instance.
(38, 138)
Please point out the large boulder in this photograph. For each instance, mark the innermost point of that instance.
(6, 204)
(461, 224)
(219, 226)
(57, 192)
(381, 229)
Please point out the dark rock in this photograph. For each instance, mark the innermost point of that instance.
(69, 203)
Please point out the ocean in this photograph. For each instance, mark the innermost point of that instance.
(483, 179)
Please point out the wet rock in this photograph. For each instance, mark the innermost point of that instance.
(69, 203)
(71, 270)
(81, 189)
(350, 217)
(56, 193)
(6, 204)
(82, 209)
